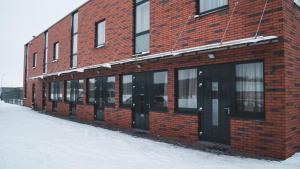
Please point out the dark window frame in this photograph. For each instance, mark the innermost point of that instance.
(96, 33)
(74, 84)
(224, 7)
(106, 92)
(73, 34)
(241, 115)
(46, 46)
(121, 91)
(56, 55)
(135, 35)
(250, 115)
(177, 108)
(34, 60)
(58, 89)
(153, 108)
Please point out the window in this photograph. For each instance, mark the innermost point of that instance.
(74, 91)
(142, 26)
(205, 6)
(80, 91)
(297, 2)
(111, 90)
(91, 90)
(56, 89)
(250, 89)
(74, 47)
(100, 35)
(68, 91)
(187, 89)
(34, 60)
(160, 85)
(56, 51)
(127, 89)
(45, 60)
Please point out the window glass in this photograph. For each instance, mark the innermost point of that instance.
(142, 43)
(68, 91)
(52, 90)
(127, 89)
(75, 47)
(75, 22)
(250, 88)
(56, 51)
(91, 92)
(207, 5)
(80, 91)
(60, 90)
(111, 90)
(160, 84)
(101, 33)
(143, 17)
(34, 60)
(187, 88)
(297, 2)
(74, 61)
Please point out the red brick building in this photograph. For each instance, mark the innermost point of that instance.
(224, 71)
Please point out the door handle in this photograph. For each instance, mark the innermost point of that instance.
(228, 110)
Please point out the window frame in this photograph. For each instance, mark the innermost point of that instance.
(106, 92)
(34, 60)
(244, 114)
(121, 91)
(96, 33)
(177, 108)
(74, 83)
(58, 89)
(136, 4)
(224, 7)
(241, 115)
(155, 108)
(73, 34)
(55, 47)
(88, 91)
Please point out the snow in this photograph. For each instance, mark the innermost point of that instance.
(29, 140)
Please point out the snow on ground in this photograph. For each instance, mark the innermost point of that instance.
(29, 140)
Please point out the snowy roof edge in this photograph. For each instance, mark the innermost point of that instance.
(246, 41)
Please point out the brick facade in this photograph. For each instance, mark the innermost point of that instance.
(278, 135)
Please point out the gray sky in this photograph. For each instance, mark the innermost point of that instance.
(19, 21)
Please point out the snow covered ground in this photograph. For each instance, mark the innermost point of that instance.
(29, 140)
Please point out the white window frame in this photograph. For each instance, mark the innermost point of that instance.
(101, 44)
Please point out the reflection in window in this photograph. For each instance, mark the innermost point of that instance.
(160, 84)
(111, 90)
(127, 90)
(187, 88)
(91, 92)
(250, 87)
(207, 5)
(100, 34)
(80, 91)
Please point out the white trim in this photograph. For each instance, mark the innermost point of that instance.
(215, 46)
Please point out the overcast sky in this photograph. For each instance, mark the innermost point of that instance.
(19, 21)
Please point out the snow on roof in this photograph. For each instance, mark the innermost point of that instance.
(211, 47)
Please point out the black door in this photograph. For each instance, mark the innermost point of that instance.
(141, 101)
(216, 97)
(100, 98)
(44, 98)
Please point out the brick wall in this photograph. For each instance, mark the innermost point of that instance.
(276, 136)
(292, 75)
